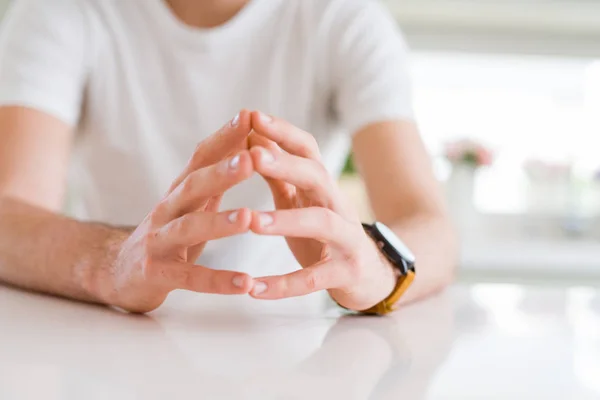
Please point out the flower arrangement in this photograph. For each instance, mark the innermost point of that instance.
(468, 152)
(349, 167)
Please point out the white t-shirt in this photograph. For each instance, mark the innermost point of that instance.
(142, 89)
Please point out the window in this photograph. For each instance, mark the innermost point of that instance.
(521, 77)
(522, 107)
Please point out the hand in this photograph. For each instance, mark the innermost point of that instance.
(323, 232)
(159, 255)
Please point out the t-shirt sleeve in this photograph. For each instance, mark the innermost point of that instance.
(42, 57)
(369, 66)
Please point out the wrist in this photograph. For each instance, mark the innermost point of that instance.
(375, 287)
(380, 282)
(95, 273)
(390, 276)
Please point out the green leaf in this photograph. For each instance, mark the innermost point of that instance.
(349, 167)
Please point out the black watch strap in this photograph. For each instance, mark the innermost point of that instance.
(402, 264)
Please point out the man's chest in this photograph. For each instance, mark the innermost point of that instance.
(181, 90)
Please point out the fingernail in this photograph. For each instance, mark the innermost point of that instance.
(266, 156)
(238, 281)
(234, 162)
(235, 120)
(259, 287)
(233, 217)
(265, 118)
(265, 219)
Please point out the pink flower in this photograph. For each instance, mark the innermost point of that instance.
(466, 151)
(484, 156)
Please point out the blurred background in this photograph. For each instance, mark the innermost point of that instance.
(507, 95)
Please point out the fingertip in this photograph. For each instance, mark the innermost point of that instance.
(259, 289)
(241, 123)
(255, 222)
(264, 160)
(244, 283)
(260, 120)
(246, 115)
(255, 117)
(248, 284)
(239, 219)
(244, 218)
(262, 135)
(245, 165)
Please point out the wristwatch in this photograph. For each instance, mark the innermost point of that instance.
(401, 258)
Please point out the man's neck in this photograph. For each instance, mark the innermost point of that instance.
(205, 13)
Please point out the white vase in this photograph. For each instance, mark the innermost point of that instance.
(460, 189)
(548, 196)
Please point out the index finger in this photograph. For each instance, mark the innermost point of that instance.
(230, 138)
(201, 279)
(201, 185)
(290, 138)
(322, 276)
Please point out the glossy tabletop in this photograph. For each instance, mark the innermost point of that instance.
(479, 341)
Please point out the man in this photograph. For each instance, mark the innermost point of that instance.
(124, 89)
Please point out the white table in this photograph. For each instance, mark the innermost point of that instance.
(472, 342)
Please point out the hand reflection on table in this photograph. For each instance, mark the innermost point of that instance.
(114, 355)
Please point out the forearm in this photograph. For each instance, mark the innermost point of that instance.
(49, 253)
(432, 239)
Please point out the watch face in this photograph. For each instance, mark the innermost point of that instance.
(395, 242)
